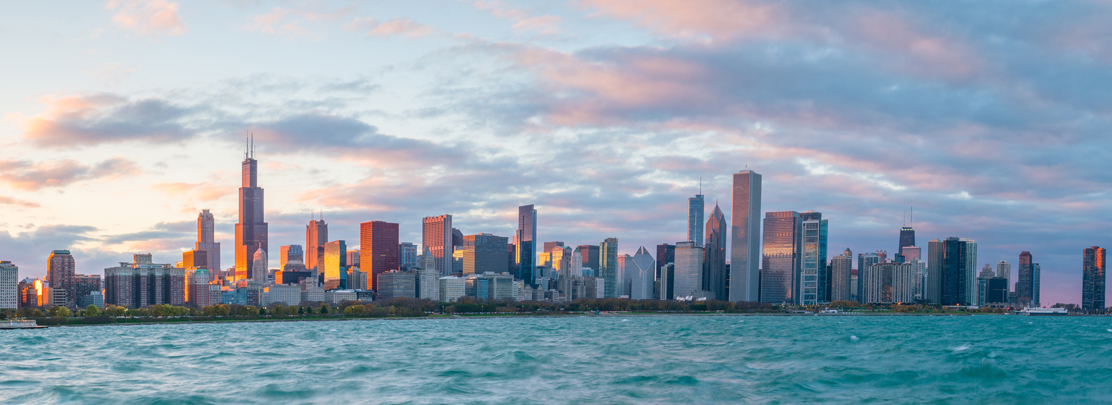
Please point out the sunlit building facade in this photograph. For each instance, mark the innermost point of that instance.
(334, 267)
(206, 242)
(252, 232)
(316, 235)
(60, 273)
(437, 238)
(781, 266)
(379, 251)
(526, 242)
(483, 253)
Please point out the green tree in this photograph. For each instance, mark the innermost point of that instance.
(325, 308)
(59, 312)
(91, 311)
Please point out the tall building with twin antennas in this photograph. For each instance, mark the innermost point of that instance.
(251, 230)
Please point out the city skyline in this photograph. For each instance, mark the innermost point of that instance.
(115, 153)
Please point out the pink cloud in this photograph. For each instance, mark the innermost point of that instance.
(719, 20)
(16, 201)
(70, 121)
(396, 27)
(23, 175)
(523, 19)
(923, 53)
(290, 22)
(198, 191)
(147, 17)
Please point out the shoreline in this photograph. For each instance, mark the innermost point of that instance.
(156, 321)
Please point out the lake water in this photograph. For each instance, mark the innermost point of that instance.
(633, 359)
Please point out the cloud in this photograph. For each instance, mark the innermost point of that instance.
(147, 17)
(523, 19)
(76, 121)
(292, 22)
(396, 27)
(205, 191)
(719, 20)
(21, 203)
(25, 175)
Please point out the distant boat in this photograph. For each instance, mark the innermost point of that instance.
(1045, 311)
(21, 324)
(830, 311)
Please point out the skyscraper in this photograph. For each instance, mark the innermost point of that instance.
(608, 266)
(695, 218)
(1024, 288)
(589, 254)
(812, 283)
(688, 277)
(9, 285)
(334, 267)
(780, 269)
(958, 272)
(527, 244)
(864, 260)
(1004, 270)
(745, 243)
(642, 274)
(907, 238)
(1093, 277)
(291, 253)
(206, 242)
(714, 256)
(841, 268)
(251, 231)
(436, 236)
(316, 235)
(407, 256)
(935, 253)
(378, 251)
(61, 273)
(665, 254)
(483, 253)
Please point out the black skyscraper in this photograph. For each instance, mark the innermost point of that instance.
(1093, 279)
(955, 272)
(251, 231)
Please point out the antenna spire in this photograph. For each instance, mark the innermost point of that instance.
(700, 185)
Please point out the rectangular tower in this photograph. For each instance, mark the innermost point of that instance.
(780, 269)
(1024, 288)
(714, 256)
(378, 245)
(695, 219)
(811, 282)
(526, 244)
(251, 230)
(61, 273)
(316, 235)
(436, 236)
(206, 240)
(745, 243)
(608, 266)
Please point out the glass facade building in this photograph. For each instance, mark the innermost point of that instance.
(695, 219)
(745, 231)
(714, 257)
(527, 244)
(378, 251)
(780, 269)
(436, 236)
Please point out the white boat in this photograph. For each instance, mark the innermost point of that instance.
(829, 311)
(21, 324)
(1045, 311)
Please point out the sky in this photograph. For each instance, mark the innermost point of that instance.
(120, 120)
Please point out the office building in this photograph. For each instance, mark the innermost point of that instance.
(291, 253)
(590, 256)
(526, 244)
(206, 242)
(714, 256)
(357, 278)
(608, 266)
(428, 284)
(935, 254)
(1004, 270)
(958, 283)
(665, 254)
(781, 265)
(316, 235)
(334, 266)
(252, 229)
(9, 285)
(745, 231)
(907, 239)
(695, 218)
(397, 284)
(451, 289)
(378, 245)
(61, 273)
(282, 294)
(85, 284)
(142, 283)
(407, 255)
(688, 273)
(436, 236)
(841, 270)
(259, 271)
(483, 253)
(642, 274)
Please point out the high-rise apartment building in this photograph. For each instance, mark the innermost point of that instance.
(864, 260)
(933, 289)
(252, 229)
(1025, 286)
(812, 283)
(608, 266)
(780, 269)
(695, 219)
(143, 283)
(378, 246)
(334, 266)
(745, 243)
(714, 256)
(436, 236)
(61, 273)
(958, 280)
(841, 270)
(485, 253)
(316, 235)
(206, 240)
(527, 244)
(9, 285)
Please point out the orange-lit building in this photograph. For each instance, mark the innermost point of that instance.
(378, 248)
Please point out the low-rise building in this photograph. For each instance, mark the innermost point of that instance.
(452, 288)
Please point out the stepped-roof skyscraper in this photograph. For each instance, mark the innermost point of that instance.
(714, 256)
(251, 231)
(316, 235)
(745, 237)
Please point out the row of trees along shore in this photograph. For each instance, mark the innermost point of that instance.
(387, 308)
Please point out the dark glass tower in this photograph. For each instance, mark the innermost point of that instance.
(1093, 278)
(695, 219)
(665, 254)
(527, 244)
(955, 271)
(1024, 288)
(907, 238)
(714, 256)
(251, 231)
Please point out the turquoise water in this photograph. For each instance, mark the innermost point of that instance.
(634, 359)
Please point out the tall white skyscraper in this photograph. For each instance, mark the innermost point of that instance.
(745, 234)
(9, 285)
(688, 276)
